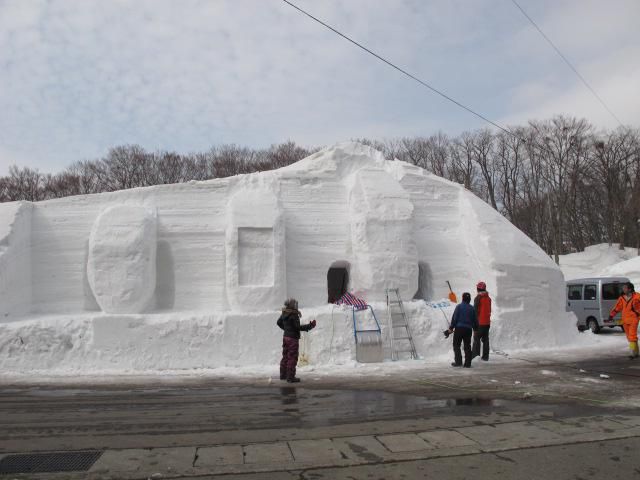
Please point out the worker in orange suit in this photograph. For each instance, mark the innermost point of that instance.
(629, 305)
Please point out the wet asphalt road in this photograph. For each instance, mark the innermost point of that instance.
(196, 411)
(45, 418)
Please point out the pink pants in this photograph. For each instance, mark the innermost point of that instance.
(289, 357)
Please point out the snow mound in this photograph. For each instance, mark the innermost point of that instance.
(192, 275)
(594, 260)
(629, 268)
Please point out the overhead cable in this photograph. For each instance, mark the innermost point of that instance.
(401, 70)
(566, 60)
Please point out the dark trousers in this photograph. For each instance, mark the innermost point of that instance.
(482, 335)
(289, 357)
(462, 335)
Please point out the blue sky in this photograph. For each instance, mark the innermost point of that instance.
(80, 76)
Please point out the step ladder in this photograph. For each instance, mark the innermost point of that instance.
(400, 339)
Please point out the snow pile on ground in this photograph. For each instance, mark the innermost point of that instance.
(193, 275)
(629, 268)
(595, 260)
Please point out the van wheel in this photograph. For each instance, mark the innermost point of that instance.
(593, 325)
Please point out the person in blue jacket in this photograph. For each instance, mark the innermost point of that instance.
(463, 323)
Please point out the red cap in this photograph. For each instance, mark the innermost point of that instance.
(481, 286)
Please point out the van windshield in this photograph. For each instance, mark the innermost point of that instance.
(611, 291)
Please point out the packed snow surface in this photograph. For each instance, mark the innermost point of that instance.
(192, 276)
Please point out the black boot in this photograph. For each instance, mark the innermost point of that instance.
(293, 380)
(454, 364)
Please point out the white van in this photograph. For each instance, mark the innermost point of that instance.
(591, 299)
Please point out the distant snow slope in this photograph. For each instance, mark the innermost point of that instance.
(594, 261)
(629, 268)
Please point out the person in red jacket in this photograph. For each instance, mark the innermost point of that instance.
(629, 305)
(482, 305)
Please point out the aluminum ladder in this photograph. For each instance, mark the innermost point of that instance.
(399, 332)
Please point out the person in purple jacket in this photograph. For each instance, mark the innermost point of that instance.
(289, 321)
(463, 323)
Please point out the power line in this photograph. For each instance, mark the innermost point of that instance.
(567, 61)
(401, 70)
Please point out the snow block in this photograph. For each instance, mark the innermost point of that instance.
(382, 234)
(121, 267)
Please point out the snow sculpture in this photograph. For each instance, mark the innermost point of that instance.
(121, 267)
(217, 260)
(255, 252)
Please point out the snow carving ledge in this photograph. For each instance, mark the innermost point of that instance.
(121, 267)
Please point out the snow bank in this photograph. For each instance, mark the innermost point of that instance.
(629, 268)
(595, 260)
(229, 251)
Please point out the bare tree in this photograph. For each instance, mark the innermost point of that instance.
(511, 162)
(25, 184)
(483, 156)
(462, 168)
(561, 141)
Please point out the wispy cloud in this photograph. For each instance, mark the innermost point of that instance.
(77, 77)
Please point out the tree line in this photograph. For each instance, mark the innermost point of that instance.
(561, 181)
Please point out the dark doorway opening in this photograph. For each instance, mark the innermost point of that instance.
(425, 282)
(337, 280)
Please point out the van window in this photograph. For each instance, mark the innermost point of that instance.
(575, 292)
(611, 291)
(590, 292)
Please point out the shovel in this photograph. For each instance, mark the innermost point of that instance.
(452, 296)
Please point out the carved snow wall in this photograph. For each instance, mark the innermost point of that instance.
(255, 251)
(121, 267)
